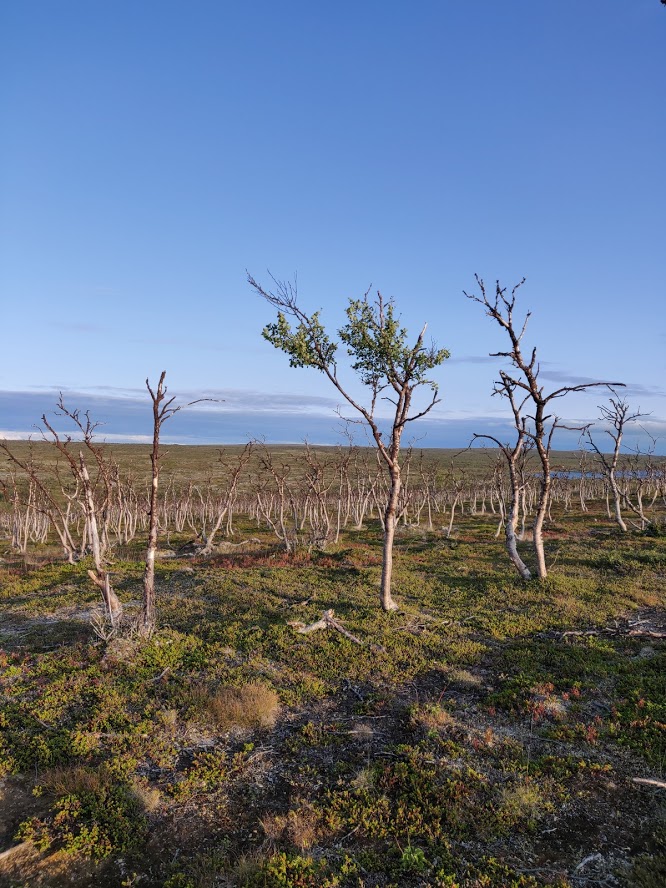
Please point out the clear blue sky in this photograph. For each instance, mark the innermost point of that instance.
(153, 151)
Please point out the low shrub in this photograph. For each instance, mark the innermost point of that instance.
(94, 815)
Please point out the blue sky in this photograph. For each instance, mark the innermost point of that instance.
(154, 151)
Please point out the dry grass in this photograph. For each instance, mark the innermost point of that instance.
(463, 678)
(523, 802)
(273, 826)
(253, 705)
(149, 797)
(432, 717)
(363, 733)
(74, 779)
(26, 866)
(300, 828)
(303, 827)
(247, 867)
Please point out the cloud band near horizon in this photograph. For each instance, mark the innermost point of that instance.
(235, 416)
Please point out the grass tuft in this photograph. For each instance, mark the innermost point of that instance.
(253, 705)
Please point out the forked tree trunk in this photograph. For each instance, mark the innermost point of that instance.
(512, 524)
(617, 500)
(453, 515)
(100, 576)
(528, 388)
(541, 512)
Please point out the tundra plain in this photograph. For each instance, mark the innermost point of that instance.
(493, 731)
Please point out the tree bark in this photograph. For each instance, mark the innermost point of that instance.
(148, 609)
(390, 521)
(541, 512)
(617, 506)
(512, 524)
(101, 578)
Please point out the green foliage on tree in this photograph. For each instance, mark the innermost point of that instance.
(375, 342)
(382, 359)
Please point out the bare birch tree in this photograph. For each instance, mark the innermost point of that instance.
(226, 507)
(390, 369)
(94, 507)
(276, 499)
(91, 495)
(40, 498)
(616, 416)
(525, 392)
(515, 457)
(163, 410)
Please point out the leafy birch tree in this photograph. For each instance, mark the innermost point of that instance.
(387, 365)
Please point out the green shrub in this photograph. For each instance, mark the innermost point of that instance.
(289, 871)
(93, 816)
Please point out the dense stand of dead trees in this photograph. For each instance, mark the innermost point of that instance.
(91, 493)
(91, 508)
(305, 502)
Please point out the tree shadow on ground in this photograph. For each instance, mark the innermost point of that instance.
(39, 634)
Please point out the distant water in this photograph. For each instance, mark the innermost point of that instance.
(573, 475)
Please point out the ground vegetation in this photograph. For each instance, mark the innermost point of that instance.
(492, 732)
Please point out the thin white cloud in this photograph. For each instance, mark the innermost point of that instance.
(218, 400)
(283, 418)
(14, 435)
(635, 390)
(473, 359)
(630, 389)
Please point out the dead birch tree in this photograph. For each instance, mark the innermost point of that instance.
(39, 497)
(616, 417)
(390, 369)
(273, 495)
(91, 501)
(539, 425)
(94, 507)
(514, 454)
(163, 410)
(225, 509)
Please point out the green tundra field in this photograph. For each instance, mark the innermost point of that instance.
(493, 731)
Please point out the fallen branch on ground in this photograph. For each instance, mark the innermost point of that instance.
(646, 781)
(328, 620)
(224, 547)
(634, 629)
